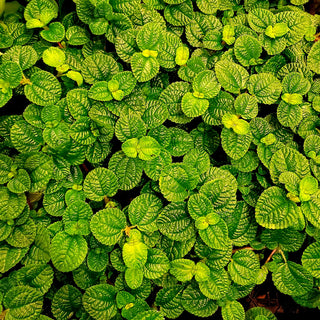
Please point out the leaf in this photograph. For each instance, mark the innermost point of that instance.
(133, 277)
(182, 269)
(196, 303)
(294, 82)
(149, 315)
(274, 210)
(205, 83)
(44, 89)
(310, 259)
(128, 170)
(23, 302)
(77, 36)
(11, 204)
(254, 313)
(107, 225)
(157, 264)
(310, 209)
(198, 159)
(179, 14)
(25, 56)
(231, 76)
(216, 286)
(288, 159)
(175, 223)
(244, 267)
(99, 91)
(144, 68)
(100, 301)
(26, 137)
(313, 59)
(11, 73)
(20, 183)
(291, 278)
(265, 86)
(10, 257)
(134, 254)
(99, 183)
(150, 36)
(23, 235)
(233, 311)
(193, 106)
(55, 32)
(259, 19)
(169, 300)
(68, 252)
(289, 115)
(235, 145)
(176, 180)
(66, 301)
(246, 106)
(78, 102)
(247, 50)
(35, 276)
(98, 67)
(76, 218)
(144, 210)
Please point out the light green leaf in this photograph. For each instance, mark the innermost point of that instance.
(133, 277)
(55, 33)
(233, 311)
(182, 269)
(134, 254)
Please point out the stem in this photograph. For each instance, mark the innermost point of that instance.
(283, 256)
(248, 248)
(60, 45)
(271, 254)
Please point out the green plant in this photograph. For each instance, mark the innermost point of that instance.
(167, 157)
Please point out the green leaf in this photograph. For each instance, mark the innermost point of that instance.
(246, 106)
(289, 115)
(265, 86)
(100, 182)
(274, 210)
(193, 106)
(216, 286)
(294, 82)
(292, 279)
(23, 302)
(235, 145)
(310, 209)
(11, 73)
(126, 81)
(196, 303)
(100, 301)
(149, 315)
(20, 183)
(79, 103)
(182, 269)
(25, 56)
(99, 91)
(244, 267)
(11, 204)
(39, 13)
(98, 67)
(144, 68)
(288, 159)
(175, 223)
(179, 14)
(153, 167)
(231, 76)
(259, 19)
(157, 264)
(39, 277)
(313, 59)
(247, 50)
(127, 170)
(144, 210)
(233, 311)
(107, 225)
(10, 257)
(205, 83)
(66, 301)
(256, 312)
(44, 89)
(76, 218)
(310, 259)
(307, 186)
(55, 33)
(77, 36)
(23, 235)
(68, 252)
(169, 300)
(198, 159)
(176, 181)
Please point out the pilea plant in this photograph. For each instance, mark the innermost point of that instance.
(166, 160)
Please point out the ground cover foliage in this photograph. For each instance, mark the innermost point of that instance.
(166, 159)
